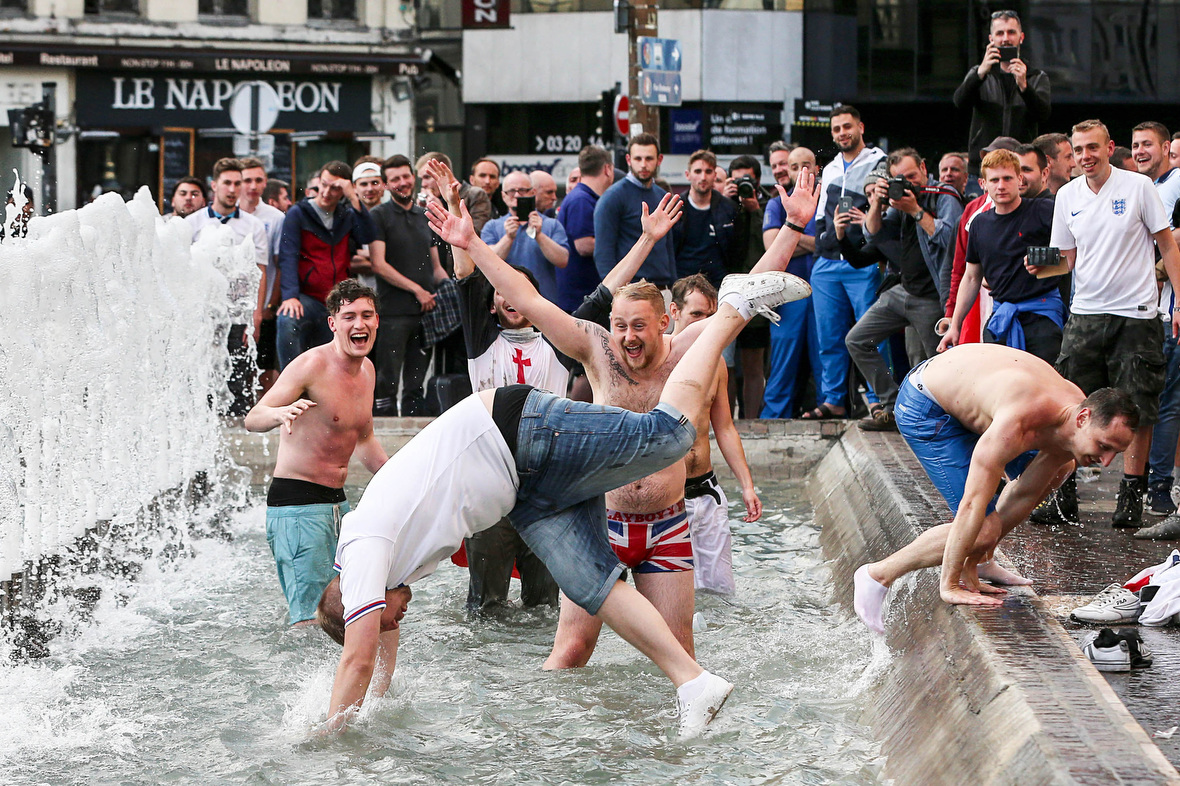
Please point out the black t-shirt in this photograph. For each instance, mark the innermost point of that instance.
(406, 234)
(999, 243)
(698, 249)
(915, 275)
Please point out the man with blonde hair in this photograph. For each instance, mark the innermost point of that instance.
(1029, 313)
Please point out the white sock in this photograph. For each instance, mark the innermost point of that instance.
(739, 302)
(694, 687)
(868, 597)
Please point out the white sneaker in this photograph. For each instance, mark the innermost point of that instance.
(1116, 657)
(765, 291)
(1113, 604)
(697, 713)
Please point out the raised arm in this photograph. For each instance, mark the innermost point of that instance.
(450, 187)
(569, 335)
(799, 207)
(655, 226)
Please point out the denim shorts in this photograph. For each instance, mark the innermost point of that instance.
(942, 444)
(303, 541)
(569, 454)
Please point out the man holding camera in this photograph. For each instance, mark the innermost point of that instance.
(922, 215)
(1029, 313)
(525, 238)
(1005, 96)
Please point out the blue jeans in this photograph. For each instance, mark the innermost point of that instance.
(1162, 457)
(795, 333)
(296, 336)
(841, 294)
(942, 445)
(569, 454)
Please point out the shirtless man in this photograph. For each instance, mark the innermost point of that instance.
(972, 415)
(324, 402)
(542, 461)
(628, 367)
(694, 299)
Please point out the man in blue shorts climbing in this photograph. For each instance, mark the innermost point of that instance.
(974, 415)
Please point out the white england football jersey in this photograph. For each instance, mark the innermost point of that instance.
(1112, 232)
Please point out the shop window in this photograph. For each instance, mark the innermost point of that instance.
(112, 6)
(223, 7)
(14, 5)
(331, 9)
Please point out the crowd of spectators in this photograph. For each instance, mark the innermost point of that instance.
(905, 259)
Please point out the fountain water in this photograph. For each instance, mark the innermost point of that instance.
(112, 362)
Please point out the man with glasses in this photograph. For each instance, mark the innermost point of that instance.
(534, 242)
(1005, 96)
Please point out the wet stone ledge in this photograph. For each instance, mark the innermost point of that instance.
(775, 449)
(980, 696)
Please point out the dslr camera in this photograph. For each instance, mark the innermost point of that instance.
(747, 188)
(898, 186)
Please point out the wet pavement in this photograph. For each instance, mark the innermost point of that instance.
(1072, 564)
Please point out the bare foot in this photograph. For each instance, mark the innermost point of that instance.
(997, 574)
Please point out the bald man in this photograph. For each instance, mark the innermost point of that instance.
(529, 240)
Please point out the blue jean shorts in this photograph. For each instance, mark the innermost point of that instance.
(942, 444)
(569, 454)
(303, 541)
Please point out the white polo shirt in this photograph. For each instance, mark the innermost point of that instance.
(455, 478)
(271, 218)
(244, 225)
(1112, 232)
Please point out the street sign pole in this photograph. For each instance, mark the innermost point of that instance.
(644, 23)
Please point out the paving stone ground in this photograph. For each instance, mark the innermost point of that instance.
(1072, 564)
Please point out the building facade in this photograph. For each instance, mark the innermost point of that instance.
(143, 87)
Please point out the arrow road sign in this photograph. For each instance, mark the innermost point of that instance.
(659, 54)
(659, 88)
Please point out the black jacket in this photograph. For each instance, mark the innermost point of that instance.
(998, 108)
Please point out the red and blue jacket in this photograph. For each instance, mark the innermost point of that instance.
(313, 259)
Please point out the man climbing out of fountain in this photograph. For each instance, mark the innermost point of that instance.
(973, 415)
(545, 463)
(323, 402)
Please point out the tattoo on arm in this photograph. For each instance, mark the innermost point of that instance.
(616, 368)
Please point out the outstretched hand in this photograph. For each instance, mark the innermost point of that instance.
(448, 186)
(289, 413)
(666, 215)
(800, 205)
(457, 231)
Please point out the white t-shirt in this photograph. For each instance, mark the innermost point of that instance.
(243, 224)
(519, 357)
(271, 218)
(455, 478)
(1112, 232)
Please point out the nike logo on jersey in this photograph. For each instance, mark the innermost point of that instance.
(1075, 212)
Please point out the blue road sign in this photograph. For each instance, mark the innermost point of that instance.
(659, 54)
(659, 88)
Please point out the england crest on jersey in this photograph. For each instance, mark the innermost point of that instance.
(1119, 206)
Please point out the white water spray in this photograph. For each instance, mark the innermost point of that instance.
(112, 346)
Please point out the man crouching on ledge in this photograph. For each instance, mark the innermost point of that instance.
(971, 416)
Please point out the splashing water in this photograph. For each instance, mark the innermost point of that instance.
(193, 676)
(112, 348)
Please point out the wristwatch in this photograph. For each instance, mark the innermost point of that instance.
(918, 216)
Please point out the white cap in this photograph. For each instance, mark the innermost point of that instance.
(367, 168)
